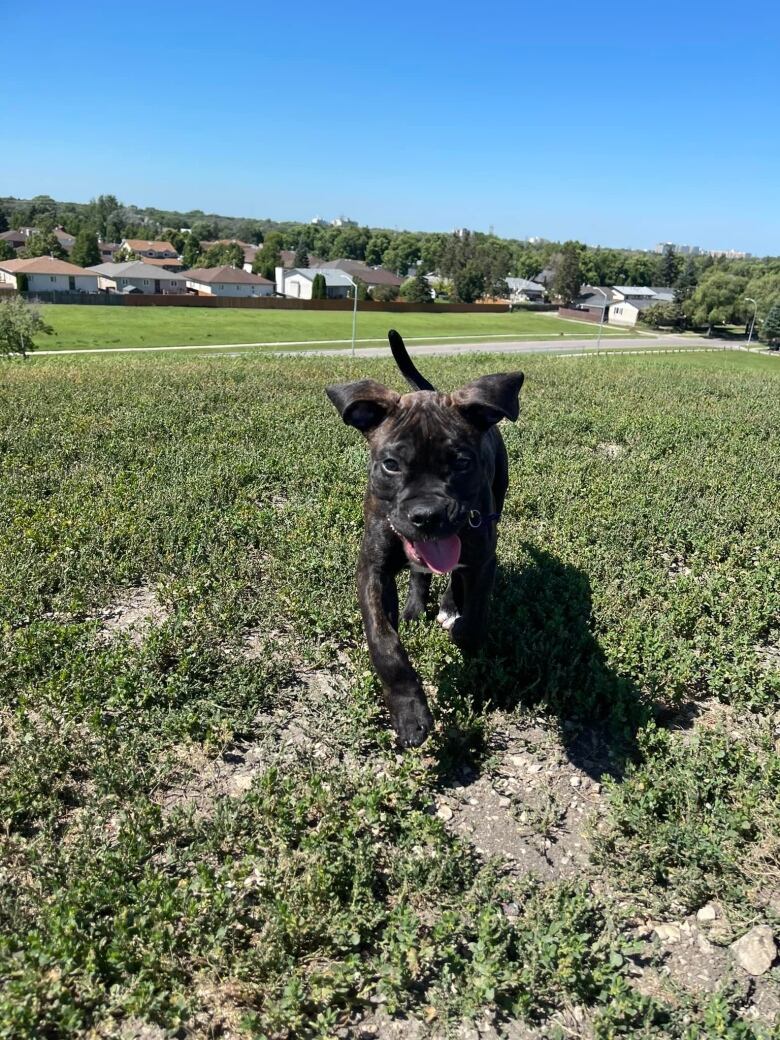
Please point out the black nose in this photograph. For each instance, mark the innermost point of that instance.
(425, 517)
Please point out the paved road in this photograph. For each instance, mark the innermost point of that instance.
(568, 345)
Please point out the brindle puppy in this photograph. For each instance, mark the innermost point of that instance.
(436, 488)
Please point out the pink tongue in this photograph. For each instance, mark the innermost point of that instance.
(440, 555)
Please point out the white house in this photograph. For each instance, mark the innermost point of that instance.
(630, 300)
(227, 281)
(136, 276)
(45, 274)
(297, 282)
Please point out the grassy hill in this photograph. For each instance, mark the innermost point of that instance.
(206, 825)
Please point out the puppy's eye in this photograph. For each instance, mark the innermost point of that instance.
(462, 463)
(391, 466)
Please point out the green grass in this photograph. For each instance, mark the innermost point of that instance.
(81, 327)
(634, 585)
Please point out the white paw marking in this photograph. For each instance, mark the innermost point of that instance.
(446, 620)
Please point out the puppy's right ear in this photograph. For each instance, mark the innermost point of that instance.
(364, 404)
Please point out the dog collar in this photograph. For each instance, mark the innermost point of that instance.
(476, 519)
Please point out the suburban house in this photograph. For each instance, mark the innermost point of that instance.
(521, 290)
(107, 250)
(166, 263)
(18, 239)
(45, 274)
(143, 247)
(594, 299)
(623, 303)
(370, 276)
(227, 281)
(136, 276)
(297, 282)
(630, 301)
(15, 239)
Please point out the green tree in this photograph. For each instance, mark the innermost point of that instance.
(269, 257)
(3, 221)
(301, 256)
(402, 253)
(417, 290)
(663, 315)
(765, 290)
(229, 254)
(6, 250)
(319, 288)
(687, 281)
(20, 323)
(377, 246)
(86, 251)
(191, 251)
(176, 238)
(669, 267)
(384, 293)
(717, 300)
(568, 276)
(43, 243)
(469, 283)
(770, 330)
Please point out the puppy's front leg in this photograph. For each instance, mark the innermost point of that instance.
(403, 691)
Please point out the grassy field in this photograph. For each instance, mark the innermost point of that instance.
(81, 327)
(206, 829)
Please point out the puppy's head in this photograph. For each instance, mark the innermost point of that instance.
(429, 456)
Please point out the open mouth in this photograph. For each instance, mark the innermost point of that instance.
(440, 555)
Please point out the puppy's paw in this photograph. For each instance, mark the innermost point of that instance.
(411, 718)
(447, 620)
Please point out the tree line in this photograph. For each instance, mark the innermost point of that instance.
(470, 265)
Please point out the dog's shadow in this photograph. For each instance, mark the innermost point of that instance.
(541, 650)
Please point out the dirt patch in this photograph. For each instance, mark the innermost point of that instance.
(769, 656)
(134, 613)
(379, 1025)
(299, 728)
(531, 807)
(610, 450)
(691, 957)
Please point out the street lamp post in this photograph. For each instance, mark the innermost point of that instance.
(603, 312)
(753, 319)
(354, 310)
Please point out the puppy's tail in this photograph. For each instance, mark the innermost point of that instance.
(405, 363)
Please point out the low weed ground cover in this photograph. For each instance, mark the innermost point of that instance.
(205, 825)
(82, 327)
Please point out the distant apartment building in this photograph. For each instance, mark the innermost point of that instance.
(681, 249)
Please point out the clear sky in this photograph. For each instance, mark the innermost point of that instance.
(617, 124)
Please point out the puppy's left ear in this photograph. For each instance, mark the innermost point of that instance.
(488, 400)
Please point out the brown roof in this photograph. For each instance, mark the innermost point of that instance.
(139, 244)
(225, 274)
(164, 261)
(357, 269)
(42, 265)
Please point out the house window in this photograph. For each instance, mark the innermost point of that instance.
(52, 278)
(146, 281)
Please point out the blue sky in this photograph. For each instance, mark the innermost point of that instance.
(614, 124)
